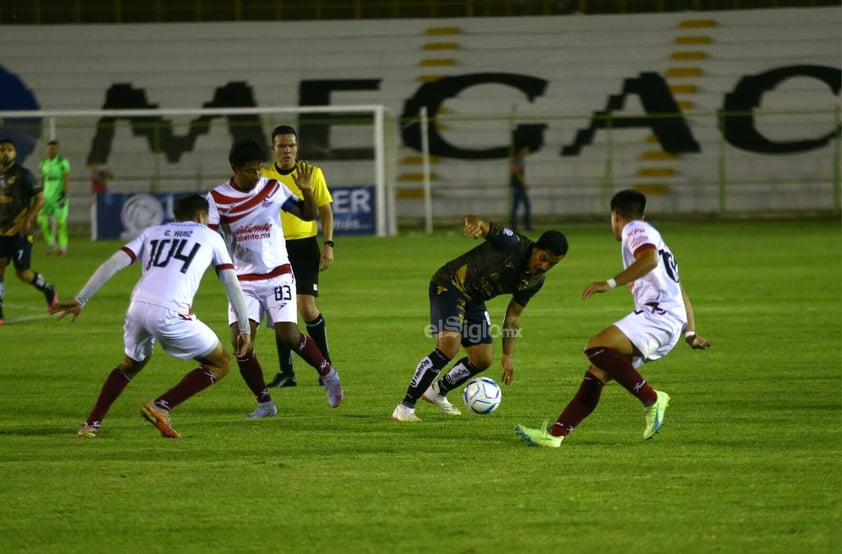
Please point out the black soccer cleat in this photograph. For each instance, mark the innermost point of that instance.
(282, 380)
(51, 295)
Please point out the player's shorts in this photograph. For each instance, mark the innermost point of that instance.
(19, 249)
(305, 256)
(182, 336)
(272, 298)
(652, 331)
(451, 311)
(60, 208)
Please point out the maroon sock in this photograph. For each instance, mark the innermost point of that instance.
(253, 376)
(308, 350)
(193, 383)
(621, 369)
(114, 385)
(580, 407)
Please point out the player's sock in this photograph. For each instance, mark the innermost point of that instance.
(39, 282)
(458, 374)
(621, 369)
(308, 350)
(425, 373)
(253, 376)
(317, 330)
(580, 407)
(193, 383)
(284, 356)
(114, 385)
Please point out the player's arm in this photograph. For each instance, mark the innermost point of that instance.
(28, 217)
(238, 302)
(65, 176)
(476, 227)
(511, 330)
(120, 260)
(326, 217)
(645, 260)
(690, 336)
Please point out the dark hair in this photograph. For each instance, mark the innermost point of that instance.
(629, 203)
(243, 152)
(283, 130)
(54, 141)
(4, 140)
(187, 206)
(553, 241)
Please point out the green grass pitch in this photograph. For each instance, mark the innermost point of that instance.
(749, 459)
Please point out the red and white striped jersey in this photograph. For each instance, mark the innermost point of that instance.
(250, 223)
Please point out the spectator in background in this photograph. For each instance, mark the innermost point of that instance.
(99, 175)
(302, 246)
(55, 176)
(520, 190)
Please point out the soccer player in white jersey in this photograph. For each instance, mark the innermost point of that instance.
(174, 257)
(662, 312)
(246, 209)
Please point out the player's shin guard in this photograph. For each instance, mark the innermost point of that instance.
(425, 373)
(458, 374)
(317, 329)
(621, 369)
(114, 385)
(193, 383)
(581, 406)
(308, 350)
(284, 356)
(252, 374)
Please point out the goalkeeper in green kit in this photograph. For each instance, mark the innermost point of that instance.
(55, 174)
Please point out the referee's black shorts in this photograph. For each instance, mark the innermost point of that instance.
(304, 255)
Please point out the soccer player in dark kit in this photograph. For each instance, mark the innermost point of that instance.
(21, 197)
(506, 263)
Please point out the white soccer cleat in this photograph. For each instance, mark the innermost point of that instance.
(333, 388)
(404, 413)
(264, 409)
(432, 396)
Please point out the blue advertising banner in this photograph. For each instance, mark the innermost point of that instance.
(354, 210)
(122, 216)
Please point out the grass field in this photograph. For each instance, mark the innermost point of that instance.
(749, 460)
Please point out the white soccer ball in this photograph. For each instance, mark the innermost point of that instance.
(482, 395)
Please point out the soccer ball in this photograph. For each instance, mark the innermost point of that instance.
(482, 395)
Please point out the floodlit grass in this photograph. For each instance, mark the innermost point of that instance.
(749, 460)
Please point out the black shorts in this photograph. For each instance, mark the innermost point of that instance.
(304, 255)
(19, 249)
(451, 311)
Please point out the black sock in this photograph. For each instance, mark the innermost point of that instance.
(426, 372)
(317, 330)
(458, 374)
(39, 282)
(284, 356)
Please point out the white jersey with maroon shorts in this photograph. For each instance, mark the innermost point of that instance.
(659, 317)
(174, 258)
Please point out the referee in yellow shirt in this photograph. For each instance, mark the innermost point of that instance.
(306, 257)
